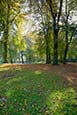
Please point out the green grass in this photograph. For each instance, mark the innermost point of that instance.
(26, 92)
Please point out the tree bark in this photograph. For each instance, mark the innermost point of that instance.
(48, 55)
(66, 34)
(67, 48)
(5, 55)
(6, 32)
(65, 53)
(55, 36)
(5, 52)
(22, 57)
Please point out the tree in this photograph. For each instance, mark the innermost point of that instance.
(69, 28)
(53, 5)
(11, 11)
(39, 11)
(45, 21)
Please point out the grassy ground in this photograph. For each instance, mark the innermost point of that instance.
(35, 91)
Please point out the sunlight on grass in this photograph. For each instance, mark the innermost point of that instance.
(4, 69)
(3, 65)
(62, 102)
(38, 72)
(70, 79)
(35, 93)
(14, 80)
(10, 92)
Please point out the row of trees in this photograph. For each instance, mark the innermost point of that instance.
(57, 18)
(52, 33)
(10, 19)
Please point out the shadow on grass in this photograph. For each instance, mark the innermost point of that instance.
(35, 93)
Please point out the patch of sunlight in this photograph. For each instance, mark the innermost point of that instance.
(61, 102)
(4, 65)
(10, 92)
(18, 68)
(38, 72)
(4, 69)
(14, 80)
(70, 79)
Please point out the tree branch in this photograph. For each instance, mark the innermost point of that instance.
(50, 5)
(10, 21)
(60, 9)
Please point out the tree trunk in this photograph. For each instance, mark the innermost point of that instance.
(10, 53)
(55, 35)
(66, 34)
(48, 55)
(56, 18)
(6, 31)
(65, 53)
(22, 57)
(5, 53)
(67, 47)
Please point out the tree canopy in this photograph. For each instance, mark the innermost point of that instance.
(35, 31)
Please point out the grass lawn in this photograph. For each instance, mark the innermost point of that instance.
(35, 92)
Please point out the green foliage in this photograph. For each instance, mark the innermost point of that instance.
(35, 17)
(19, 42)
